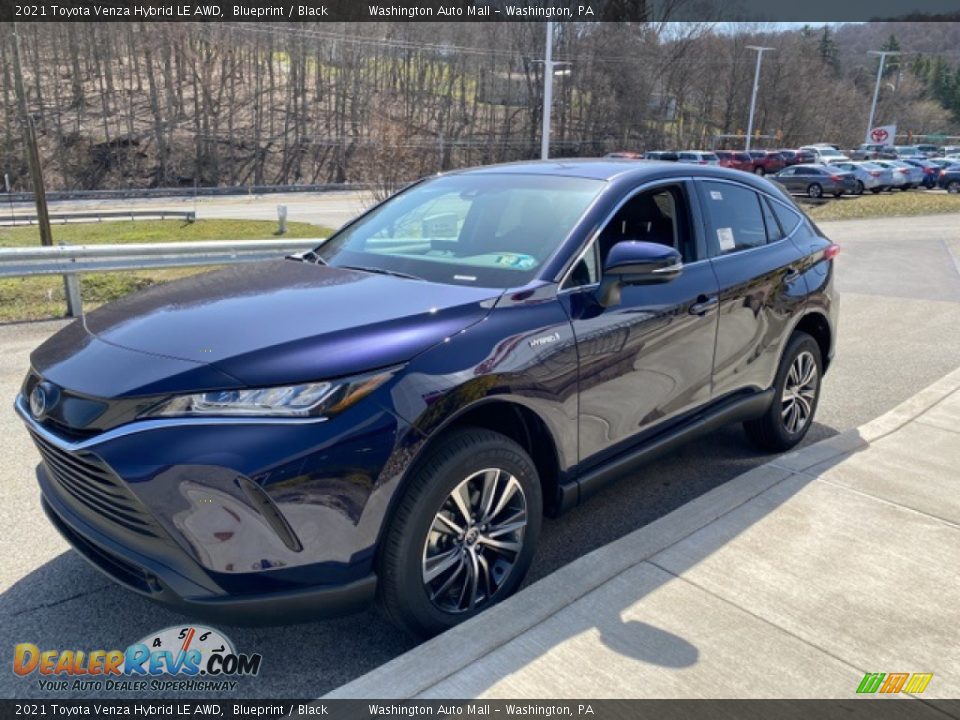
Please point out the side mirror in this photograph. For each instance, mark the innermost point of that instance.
(633, 262)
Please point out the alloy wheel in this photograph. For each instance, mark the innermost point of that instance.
(799, 393)
(474, 541)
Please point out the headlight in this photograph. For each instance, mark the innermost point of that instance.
(319, 399)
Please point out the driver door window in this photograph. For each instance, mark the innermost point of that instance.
(659, 215)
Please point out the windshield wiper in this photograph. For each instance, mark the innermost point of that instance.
(381, 271)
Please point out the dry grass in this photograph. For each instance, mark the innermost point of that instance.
(912, 202)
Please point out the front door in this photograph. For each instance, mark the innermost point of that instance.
(649, 358)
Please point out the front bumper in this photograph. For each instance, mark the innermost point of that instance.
(143, 509)
(156, 582)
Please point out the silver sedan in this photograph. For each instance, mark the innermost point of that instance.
(870, 175)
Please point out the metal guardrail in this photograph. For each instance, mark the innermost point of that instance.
(73, 260)
(188, 215)
(179, 192)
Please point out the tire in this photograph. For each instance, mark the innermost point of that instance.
(772, 430)
(759, 171)
(953, 186)
(416, 533)
(860, 187)
(814, 191)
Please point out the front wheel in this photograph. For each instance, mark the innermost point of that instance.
(953, 186)
(860, 187)
(796, 393)
(463, 535)
(815, 191)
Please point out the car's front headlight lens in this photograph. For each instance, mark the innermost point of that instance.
(318, 399)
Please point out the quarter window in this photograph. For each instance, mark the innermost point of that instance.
(788, 218)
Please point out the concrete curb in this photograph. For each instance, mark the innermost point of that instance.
(414, 672)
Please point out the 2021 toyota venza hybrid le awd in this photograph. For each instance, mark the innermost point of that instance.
(390, 415)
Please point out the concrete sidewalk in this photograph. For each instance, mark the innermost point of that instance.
(792, 580)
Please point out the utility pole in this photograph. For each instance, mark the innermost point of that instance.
(876, 90)
(756, 85)
(30, 138)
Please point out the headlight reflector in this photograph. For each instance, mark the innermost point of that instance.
(318, 399)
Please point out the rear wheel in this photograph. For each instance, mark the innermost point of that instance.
(796, 393)
(953, 186)
(860, 187)
(464, 534)
(815, 191)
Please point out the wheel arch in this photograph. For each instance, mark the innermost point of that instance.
(815, 324)
(502, 415)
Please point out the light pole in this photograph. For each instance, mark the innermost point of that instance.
(549, 65)
(756, 85)
(547, 93)
(876, 90)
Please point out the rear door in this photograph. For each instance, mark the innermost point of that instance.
(760, 285)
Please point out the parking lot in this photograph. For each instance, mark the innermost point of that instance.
(899, 280)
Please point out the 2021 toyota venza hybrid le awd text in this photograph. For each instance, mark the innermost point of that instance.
(390, 415)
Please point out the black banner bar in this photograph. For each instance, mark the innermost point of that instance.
(335, 11)
(853, 709)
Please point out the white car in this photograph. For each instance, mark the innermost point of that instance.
(825, 154)
(699, 157)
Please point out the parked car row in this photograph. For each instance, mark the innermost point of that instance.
(823, 169)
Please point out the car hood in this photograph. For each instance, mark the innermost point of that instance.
(270, 323)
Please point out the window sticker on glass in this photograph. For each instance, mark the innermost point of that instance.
(725, 237)
(716, 195)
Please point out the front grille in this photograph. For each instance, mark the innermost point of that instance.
(91, 483)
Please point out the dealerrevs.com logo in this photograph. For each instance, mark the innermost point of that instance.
(176, 658)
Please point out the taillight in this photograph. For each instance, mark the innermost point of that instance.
(875, 173)
(836, 178)
(927, 171)
(831, 252)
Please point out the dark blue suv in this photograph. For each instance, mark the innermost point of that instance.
(390, 415)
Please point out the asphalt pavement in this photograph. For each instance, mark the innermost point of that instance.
(899, 331)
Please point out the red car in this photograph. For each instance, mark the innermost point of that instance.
(735, 159)
(766, 162)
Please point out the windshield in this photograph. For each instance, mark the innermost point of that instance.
(487, 230)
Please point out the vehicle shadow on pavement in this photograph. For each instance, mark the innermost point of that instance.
(633, 611)
(65, 603)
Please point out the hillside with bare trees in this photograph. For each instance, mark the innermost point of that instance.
(183, 104)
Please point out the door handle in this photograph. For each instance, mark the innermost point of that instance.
(704, 304)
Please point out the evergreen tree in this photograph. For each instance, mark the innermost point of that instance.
(828, 51)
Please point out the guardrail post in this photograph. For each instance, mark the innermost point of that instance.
(282, 217)
(71, 290)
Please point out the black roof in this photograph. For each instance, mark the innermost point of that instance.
(606, 169)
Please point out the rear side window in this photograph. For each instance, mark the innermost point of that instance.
(789, 219)
(736, 217)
